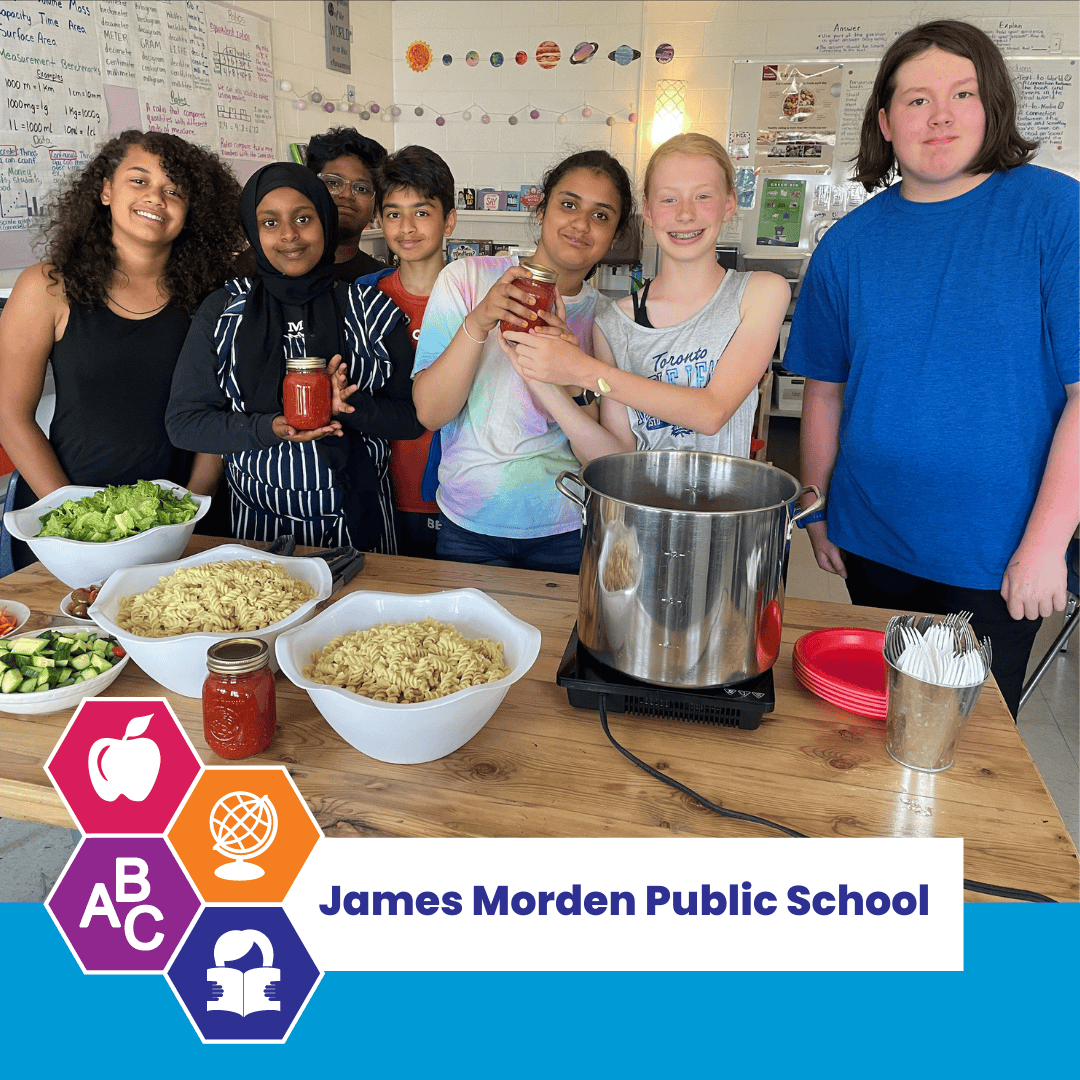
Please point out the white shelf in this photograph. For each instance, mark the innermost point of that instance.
(524, 216)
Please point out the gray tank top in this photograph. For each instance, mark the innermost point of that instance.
(683, 355)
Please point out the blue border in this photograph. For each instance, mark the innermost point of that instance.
(1010, 1013)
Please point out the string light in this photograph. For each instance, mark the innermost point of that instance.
(393, 111)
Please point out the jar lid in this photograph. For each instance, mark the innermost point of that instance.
(237, 656)
(538, 272)
(305, 363)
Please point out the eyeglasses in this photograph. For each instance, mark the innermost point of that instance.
(336, 185)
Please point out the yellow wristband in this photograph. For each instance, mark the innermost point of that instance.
(602, 386)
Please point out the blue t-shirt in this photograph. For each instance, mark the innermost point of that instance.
(954, 325)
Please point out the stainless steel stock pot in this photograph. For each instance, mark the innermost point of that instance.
(684, 563)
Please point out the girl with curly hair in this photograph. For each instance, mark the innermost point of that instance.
(135, 241)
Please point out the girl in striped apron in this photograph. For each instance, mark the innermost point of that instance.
(329, 486)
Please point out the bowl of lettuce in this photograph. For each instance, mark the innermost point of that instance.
(83, 534)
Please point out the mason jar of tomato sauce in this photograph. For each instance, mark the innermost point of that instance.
(306, 393)
(539, 281)
(238, 698)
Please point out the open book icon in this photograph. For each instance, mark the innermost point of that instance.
(243, 992)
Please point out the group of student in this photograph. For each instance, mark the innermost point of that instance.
(942, 377)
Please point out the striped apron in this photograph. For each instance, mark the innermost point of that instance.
(292, 487)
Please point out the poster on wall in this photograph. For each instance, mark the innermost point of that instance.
(73, 74)
(780, 220)
(1048, 109)
(797, 116)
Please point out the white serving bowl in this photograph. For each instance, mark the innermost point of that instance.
(20, 611)
(65, 698)
(179, 662)
(406, 734)
(75, 562)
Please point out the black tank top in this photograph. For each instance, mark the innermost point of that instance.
(113, 378)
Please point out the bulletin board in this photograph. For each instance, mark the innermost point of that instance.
(75, 73)
(794, 134)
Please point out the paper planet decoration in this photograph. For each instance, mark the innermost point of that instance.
(447, 59)
(418, 55)
(315, 96)
(521, 58)
(365, 115)
(285, 86)
(623, 55)
(583, 52)
(374, 106)
(548, 54)
(534, 114)
(419, 110)
(328, 106)
(586, 112)
(354, 108)
(472, 58)
(665, 53)
(512, 120)
(300, 104)
(485, 119)
(466, 115)
(440, 121)
(632, 118)
(611, 121)
(395, 110)
(496, 59)
(562, 119)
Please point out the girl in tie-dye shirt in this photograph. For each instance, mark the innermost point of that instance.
(501, 451)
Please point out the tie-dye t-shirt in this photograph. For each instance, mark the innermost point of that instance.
(501, 453)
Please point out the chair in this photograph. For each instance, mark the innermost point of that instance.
(7, 565)
(1072, 618)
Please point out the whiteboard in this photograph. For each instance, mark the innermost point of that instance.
(786, 204)
(75, 73)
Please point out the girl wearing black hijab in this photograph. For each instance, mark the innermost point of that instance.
(329, 486)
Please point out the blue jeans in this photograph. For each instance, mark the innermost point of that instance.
(559, 554)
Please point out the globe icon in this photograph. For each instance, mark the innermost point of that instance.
(243, 826)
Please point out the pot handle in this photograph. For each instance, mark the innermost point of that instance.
(817, 504)
(572, 496)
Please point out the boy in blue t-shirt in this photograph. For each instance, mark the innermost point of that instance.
(937, 328)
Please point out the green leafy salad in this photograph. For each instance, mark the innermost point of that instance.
(117, 512)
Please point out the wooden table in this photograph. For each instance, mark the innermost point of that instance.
(542, 768)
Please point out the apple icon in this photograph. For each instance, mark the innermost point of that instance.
(127, 766)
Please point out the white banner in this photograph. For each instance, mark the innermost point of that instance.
(632, 905)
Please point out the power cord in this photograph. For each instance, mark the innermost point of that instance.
(969, 884)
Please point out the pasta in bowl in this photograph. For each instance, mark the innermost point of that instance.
(471, 643)
(166, 615)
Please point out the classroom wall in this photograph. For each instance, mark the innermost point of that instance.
(299, 50)
(708, 37)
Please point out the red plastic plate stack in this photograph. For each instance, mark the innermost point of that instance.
(845, 667)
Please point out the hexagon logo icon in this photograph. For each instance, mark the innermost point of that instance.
(123, 765)
(243, 834)
(123, 904)
(243, 975)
